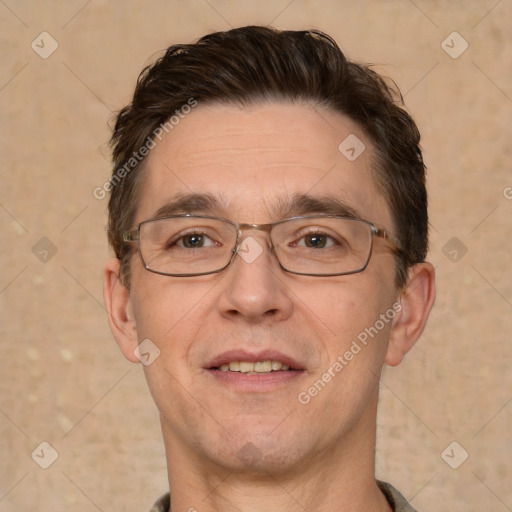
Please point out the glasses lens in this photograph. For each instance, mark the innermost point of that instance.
(323, 245)
(186, 245)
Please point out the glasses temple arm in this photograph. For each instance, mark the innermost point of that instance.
(391, 239)
(131, 236)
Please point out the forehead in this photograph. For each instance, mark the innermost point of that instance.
(253, 160)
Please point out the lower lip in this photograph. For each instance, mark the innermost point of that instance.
(254, 383)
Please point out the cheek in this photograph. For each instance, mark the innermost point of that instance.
(167, 310)
(355, 346)
(342, 304)
(350, 310)
(171, 315)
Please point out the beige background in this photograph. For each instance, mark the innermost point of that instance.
(64, 380)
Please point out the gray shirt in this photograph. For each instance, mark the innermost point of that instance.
(396, 500)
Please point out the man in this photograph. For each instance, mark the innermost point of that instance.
(269, 219)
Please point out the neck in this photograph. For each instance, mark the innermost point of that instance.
(340, 478)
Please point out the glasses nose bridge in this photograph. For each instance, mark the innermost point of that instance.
(256, 227)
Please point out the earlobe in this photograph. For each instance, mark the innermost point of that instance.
(416, 301)
(120, 311)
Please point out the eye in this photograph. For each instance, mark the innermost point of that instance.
(192, 241)
(316, 240)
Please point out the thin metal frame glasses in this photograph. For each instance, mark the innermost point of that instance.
(311, 245)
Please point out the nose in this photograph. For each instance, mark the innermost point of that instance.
(254, 289)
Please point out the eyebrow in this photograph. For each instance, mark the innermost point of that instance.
(304, 204)
(189, 203)
(285, 206)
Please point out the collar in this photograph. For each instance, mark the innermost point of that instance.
(395, 499)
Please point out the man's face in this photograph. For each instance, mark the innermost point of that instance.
(252, 160)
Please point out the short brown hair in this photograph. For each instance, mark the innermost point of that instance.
(254, 64)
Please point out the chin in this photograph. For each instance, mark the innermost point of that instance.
(261, 454)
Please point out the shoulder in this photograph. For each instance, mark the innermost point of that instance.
(397, 501)
(162, 504)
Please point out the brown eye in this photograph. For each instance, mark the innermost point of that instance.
(315, 241)
(193, 241)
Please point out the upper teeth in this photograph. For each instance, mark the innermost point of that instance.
(259, 366)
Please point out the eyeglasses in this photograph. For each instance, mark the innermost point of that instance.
(318, 245)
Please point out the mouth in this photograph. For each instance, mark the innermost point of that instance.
(254, 372)
(254, 368)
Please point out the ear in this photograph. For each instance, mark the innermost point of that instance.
(120, 311)
(416, 301)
